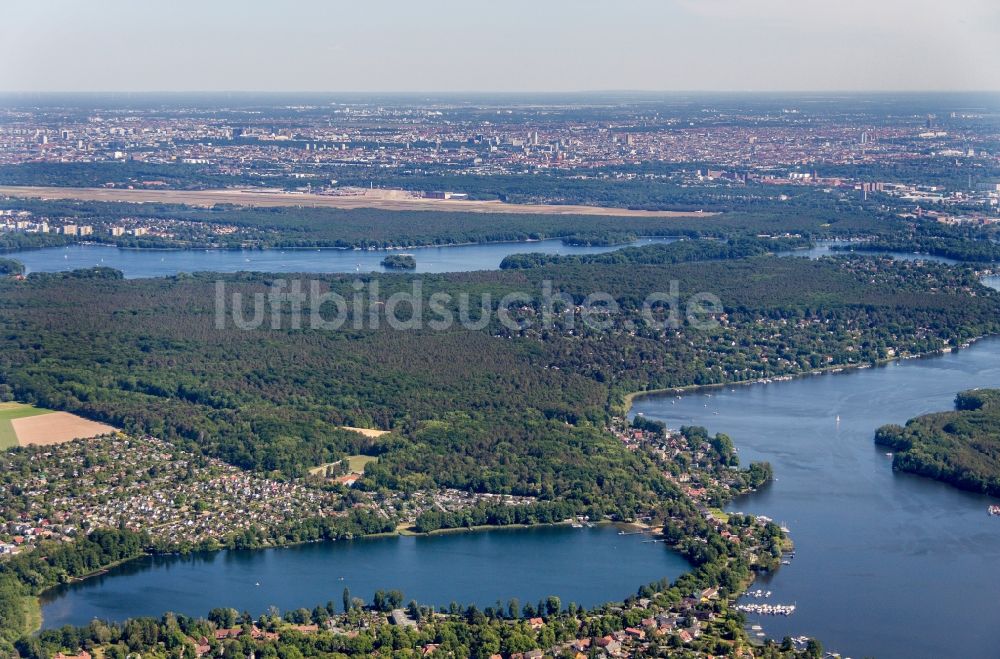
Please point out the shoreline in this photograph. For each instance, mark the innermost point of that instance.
(629, 399)
(35, 603)
(334, 248)
(36, 616)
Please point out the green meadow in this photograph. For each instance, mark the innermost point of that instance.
(9, 412)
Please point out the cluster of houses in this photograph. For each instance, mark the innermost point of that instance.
(24, 221)
(700, 480)
(701, 476)
(744, 145)
(407, 507)
(54, 491)
(26, 532)
(686, 621)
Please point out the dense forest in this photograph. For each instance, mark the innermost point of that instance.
(96, 174)
(12, 241)
(970, 243)
(368, 228)
(399, 262)
(488, 406)
(961, 447)
(11, 266)
(24, 576)
(483, 405)
(959, 249)
(682, 251)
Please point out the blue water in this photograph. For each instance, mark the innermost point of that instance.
(886, 564)
(588, 566)
(159, 263)
(137, 263)
(823, 248)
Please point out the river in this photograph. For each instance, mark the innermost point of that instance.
(588, 566)
(136, 263)
(886, 564)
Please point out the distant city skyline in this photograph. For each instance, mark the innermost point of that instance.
(516, 46)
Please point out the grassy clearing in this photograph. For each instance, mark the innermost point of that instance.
(320, 470)
(31, 609)
(356, 463)
(718, 514)
(10, 411)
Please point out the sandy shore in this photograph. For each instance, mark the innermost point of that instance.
(390, 200)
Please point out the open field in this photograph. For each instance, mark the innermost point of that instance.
(9, 412)
(356, 463)
(367, 432)
(46, 428)
(389, 200)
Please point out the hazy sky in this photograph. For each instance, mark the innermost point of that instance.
(504, 45)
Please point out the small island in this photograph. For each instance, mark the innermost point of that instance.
(399, 262)
(960, 447)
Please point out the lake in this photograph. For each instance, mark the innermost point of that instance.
(588, 566)
(886, 564)
(136, 263)
(824, 248)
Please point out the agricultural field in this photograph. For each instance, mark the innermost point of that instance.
(21, 425)
(8, 413)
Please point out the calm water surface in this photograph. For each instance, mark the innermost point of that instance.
(135, 263)
(588, 566)
(160, 263)
(823, 248)
(886, 565)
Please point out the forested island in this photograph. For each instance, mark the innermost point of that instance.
(960, 447)
(399, 262)
(681, 251)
